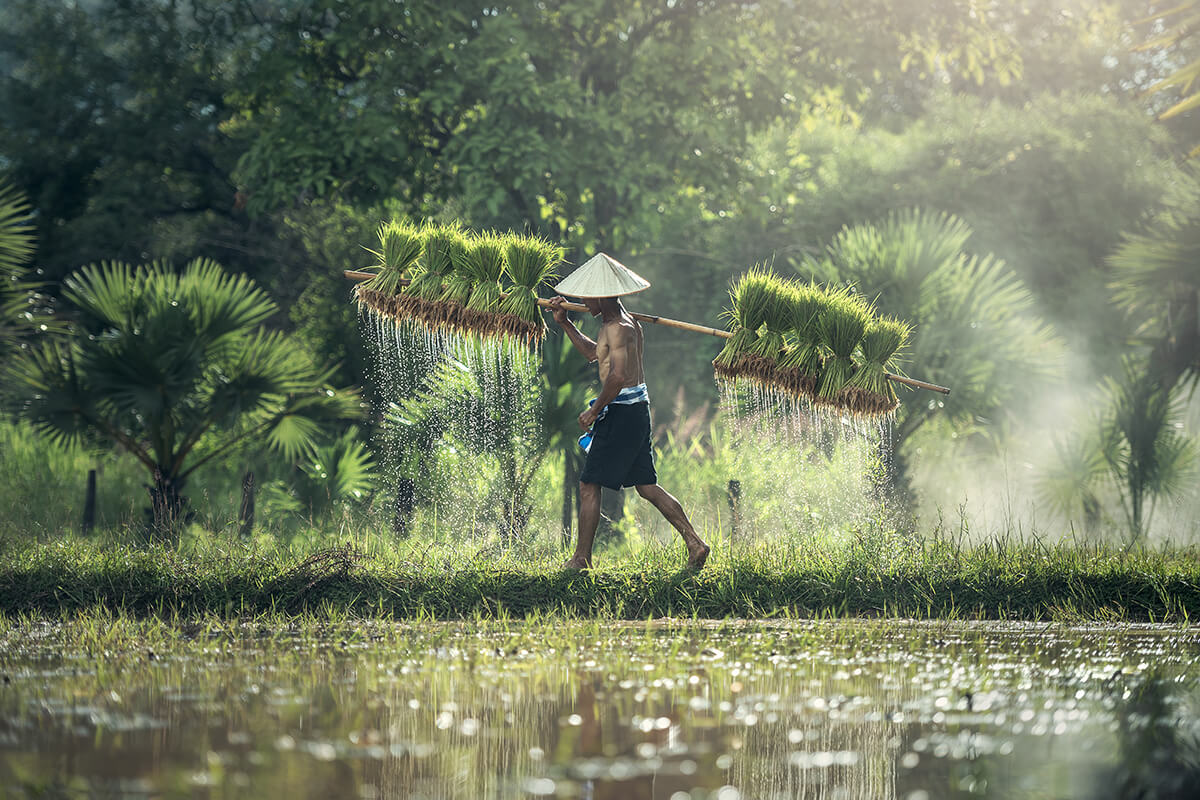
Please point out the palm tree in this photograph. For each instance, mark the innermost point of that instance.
(1145, 453)
(1156, 280)
(976, 326)
(1178, 25)
(176, 369)
(24, 311)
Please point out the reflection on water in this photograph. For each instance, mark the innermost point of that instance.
(847, 710)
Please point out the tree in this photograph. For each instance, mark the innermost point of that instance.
(976, 325)
(581, 119)
(1147, 457)
(24, 310)
(1156, 281)
(1170, 39)
(110, 120)
(1132, 450)
(177, 370)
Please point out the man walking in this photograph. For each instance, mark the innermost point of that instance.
(617, 424)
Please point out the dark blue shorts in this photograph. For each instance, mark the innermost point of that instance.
(621, 453)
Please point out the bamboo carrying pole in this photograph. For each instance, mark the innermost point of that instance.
(356, 275)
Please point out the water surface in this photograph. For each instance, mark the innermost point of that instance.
(841, 709)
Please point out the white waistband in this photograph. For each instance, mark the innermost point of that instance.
(633, 394)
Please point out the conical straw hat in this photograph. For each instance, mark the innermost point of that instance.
(602, 276)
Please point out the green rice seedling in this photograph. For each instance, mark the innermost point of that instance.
(531, 262)
(749, 298)
(437, 259)
(484, 263)
(801, 362)
(842, 324)
(762, 359)
(400, 247)
(459, 284)
(882, 343)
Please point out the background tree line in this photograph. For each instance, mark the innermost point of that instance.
(691, 138)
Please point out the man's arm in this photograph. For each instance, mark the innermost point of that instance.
(582, 343)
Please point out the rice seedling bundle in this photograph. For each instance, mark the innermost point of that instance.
(532, 261)
(871, 391)
(842, 324)
(400, 246)
(459, 283)
(800, 364)
(777, 319)
(437, 259)
(484, 264)
(749, 298)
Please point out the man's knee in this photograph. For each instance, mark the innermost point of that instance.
(648, 490)
(588, 490)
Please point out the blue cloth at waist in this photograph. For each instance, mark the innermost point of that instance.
(628, 396)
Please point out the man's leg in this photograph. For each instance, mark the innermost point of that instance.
(589, 518)
(670, 508)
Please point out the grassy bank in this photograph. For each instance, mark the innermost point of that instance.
(864, 575)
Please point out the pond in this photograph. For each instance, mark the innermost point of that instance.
(671, 710)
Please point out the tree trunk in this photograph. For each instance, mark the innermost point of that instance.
(166, 506)
(735, 508)
(89, 504)
(406, 502)
(246, 514)
(570, 496)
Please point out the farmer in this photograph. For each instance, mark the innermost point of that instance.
(617, 423)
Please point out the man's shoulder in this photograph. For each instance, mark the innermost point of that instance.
(623, 326)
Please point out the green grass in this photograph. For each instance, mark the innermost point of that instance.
(872, 574)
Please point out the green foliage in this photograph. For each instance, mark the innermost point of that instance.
(532, 262)
(1133, 448)
(334, 473)
(470, 438)
(111, 119)
(976, 325)
(45, 489)
(1147, 456)
(400, 246)
(24, 310)
(877, 572)
(1048, 186)
(1156, 282)
(882, 348)
(841, 325)
(176, 369)
(1171, 33)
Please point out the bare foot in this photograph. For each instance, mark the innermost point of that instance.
(697, 555)
(579, 564)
